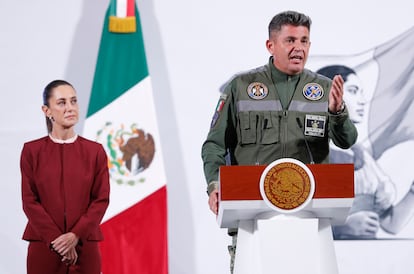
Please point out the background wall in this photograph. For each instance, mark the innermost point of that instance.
(193, 47)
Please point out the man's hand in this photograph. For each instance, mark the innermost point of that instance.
(213, 201)
(336, 94)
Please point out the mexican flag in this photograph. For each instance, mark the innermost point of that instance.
(121, 116)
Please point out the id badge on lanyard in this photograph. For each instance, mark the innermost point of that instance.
(315, 125)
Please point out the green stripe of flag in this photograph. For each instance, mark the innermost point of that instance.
(112, 8)
(121, 64)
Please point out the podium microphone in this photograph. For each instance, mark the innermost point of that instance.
(306, 141)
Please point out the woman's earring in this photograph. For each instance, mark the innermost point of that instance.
(51, 118)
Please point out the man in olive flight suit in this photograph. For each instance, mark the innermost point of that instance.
(266, 114)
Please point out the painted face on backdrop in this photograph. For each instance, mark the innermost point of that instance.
(290, 48)
(354, 98)
(63, 107)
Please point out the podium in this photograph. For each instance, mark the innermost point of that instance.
(295, 242)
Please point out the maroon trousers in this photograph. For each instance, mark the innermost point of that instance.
(42, 260)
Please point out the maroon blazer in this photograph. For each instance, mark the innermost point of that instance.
(65, 187)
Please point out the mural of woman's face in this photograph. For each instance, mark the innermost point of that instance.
(354, 98)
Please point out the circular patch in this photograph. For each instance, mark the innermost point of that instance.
(257, 91)
(287, 185)
(313, 91)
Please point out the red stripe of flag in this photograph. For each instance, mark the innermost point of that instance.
(136, 239)
(130, 8)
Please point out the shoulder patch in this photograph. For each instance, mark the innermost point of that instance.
(218, 109)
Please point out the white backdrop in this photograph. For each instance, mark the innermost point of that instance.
(193, 47)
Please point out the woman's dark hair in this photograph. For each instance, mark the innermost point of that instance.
(332, 70)
(47, 93)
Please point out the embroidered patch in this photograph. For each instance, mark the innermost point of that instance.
(257, 90)
(219, 107)
(221, 102)
(313, 91)
(214, 120)
(315, 125)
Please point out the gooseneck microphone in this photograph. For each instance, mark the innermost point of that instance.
(306, 141)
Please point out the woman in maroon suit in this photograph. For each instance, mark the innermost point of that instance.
(65, 190)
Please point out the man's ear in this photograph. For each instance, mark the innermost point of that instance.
(270, 46)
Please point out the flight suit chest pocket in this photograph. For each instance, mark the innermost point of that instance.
(270, 129)
(248, 126)
(262, 128)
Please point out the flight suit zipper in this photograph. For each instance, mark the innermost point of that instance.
(259, 140)
(284, 134)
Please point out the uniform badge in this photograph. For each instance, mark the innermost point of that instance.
(313, 91)
(219, 107)
(257, 91)
(315, 125)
